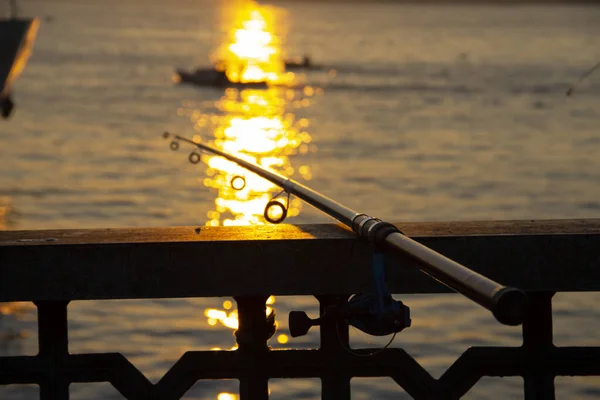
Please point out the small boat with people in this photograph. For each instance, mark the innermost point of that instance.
(216, 75)
(213, 77)
(303, 62)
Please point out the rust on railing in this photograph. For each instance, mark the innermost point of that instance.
(53, 268)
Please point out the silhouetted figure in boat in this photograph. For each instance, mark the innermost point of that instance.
(297, 64)
(304, 63)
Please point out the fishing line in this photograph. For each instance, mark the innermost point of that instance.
(349, 350)
(581, 78)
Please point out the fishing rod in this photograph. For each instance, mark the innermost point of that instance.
(379, 314)
(581, 78)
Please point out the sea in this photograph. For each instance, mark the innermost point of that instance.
(413, 112)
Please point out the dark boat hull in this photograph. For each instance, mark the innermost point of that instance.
(213, 78)
(292, 66)
(16, 44)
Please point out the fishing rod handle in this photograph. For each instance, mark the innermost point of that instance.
(509, 305)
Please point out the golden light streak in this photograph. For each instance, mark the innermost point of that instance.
(230, 319)
(252, 49)
(257, 125)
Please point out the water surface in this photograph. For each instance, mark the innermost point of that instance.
(420, 113)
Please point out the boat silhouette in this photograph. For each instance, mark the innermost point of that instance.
(213, 77)
(17, 36)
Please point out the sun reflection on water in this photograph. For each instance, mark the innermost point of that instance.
(252, 49)
(257, 125)
(230, 318)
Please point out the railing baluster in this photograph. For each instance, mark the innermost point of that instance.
(334, 335)
(53, 348)
(538, 346)
(252, 335)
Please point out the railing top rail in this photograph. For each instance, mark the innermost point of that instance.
(547, 255)
(292, 232)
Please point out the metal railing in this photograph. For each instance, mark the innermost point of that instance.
(52, 268)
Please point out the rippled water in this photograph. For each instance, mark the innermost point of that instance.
(425, 113)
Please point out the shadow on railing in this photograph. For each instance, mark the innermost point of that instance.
(528, 254)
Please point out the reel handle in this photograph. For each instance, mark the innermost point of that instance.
(358, 313)
(300, 323)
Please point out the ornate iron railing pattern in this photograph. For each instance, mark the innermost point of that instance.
(538, 361)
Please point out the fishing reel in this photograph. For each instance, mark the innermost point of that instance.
(376, 314)
(369, 313)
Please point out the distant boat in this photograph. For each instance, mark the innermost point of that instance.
(300, 63)
(17, 36)
(211, 77)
